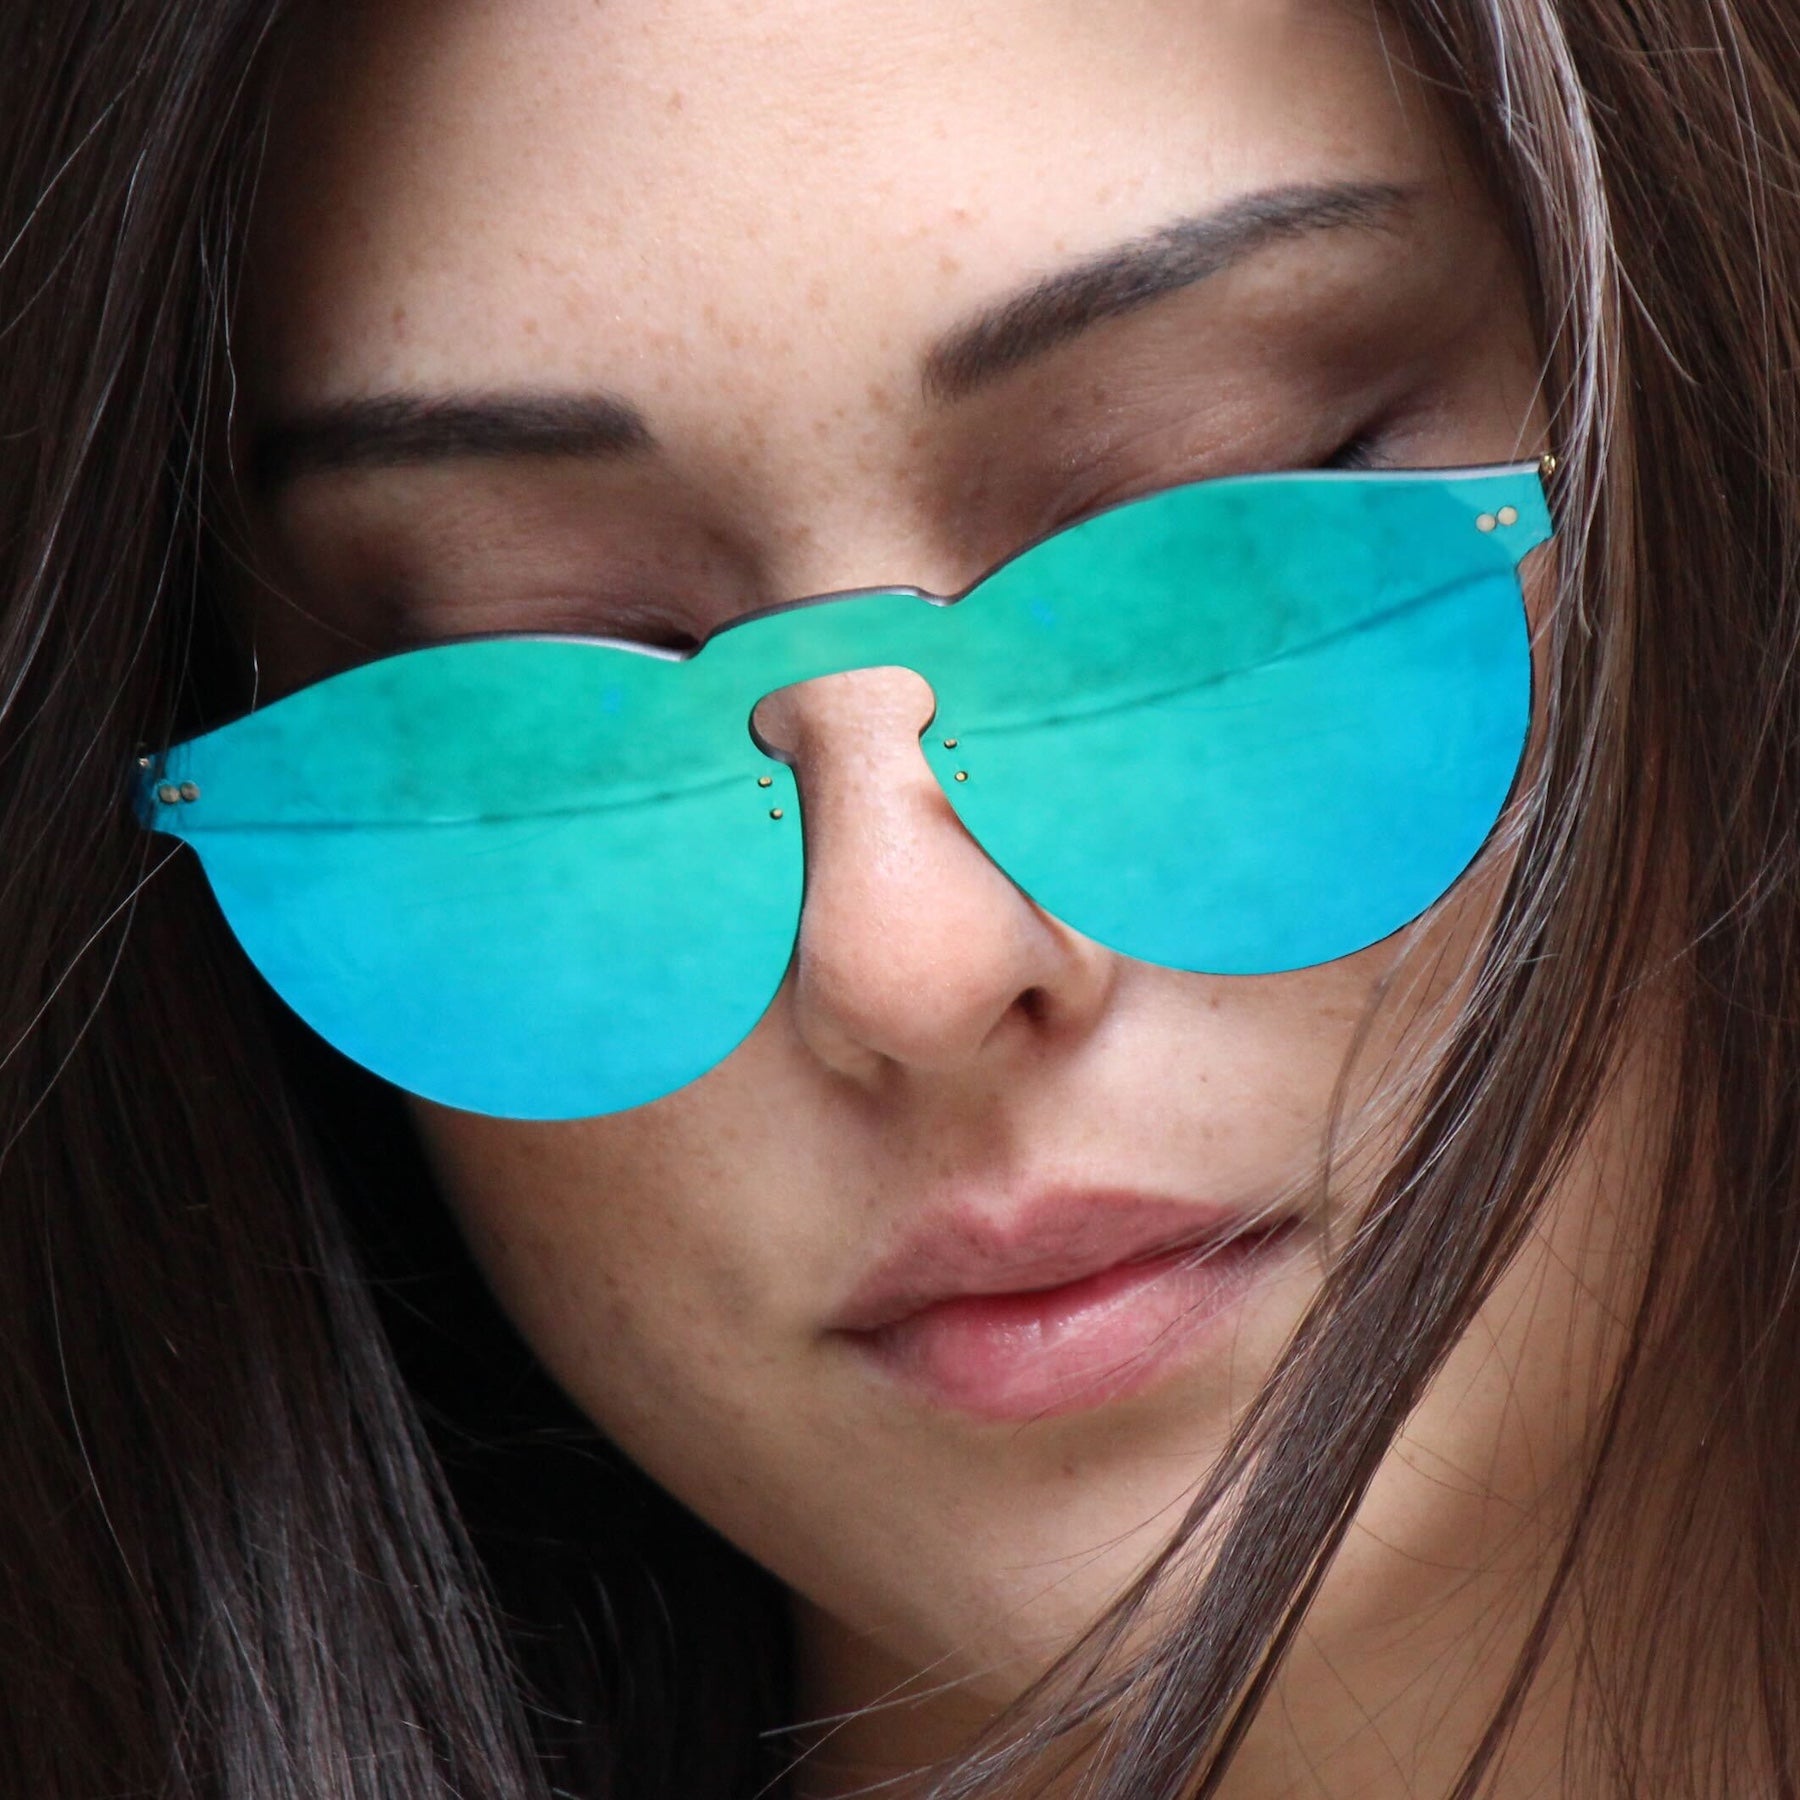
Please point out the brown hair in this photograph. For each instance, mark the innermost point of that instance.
(284, 1507)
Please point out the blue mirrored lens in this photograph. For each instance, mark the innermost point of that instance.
(519, 876)
(1247, 727)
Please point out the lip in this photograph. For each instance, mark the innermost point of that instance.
(1077, 1299)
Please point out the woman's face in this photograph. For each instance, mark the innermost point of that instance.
(882, 1295)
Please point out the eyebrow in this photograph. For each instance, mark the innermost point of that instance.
(1132, 275)
(393, 430)
(399, 430)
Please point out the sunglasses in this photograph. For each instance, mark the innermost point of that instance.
(1238, 727)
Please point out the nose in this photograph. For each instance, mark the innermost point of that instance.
(915, 952)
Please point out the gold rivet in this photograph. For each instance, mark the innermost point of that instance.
(1486, 522)
(949, 743)
(774, 812)
(962, 774)
(168, 793)
(190, 790)
(1548, 464)
(1508, 515)
(765, 781)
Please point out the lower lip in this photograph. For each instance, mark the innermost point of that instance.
(1068, 1348)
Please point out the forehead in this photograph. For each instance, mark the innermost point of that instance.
(645, 194)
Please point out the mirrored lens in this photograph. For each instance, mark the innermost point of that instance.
(1245, 727)
(532, 878)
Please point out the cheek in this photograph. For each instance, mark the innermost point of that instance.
(618, 1292)
(667, 1267)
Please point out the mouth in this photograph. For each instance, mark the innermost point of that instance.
(1083, 1299)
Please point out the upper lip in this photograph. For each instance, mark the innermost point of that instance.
(1058, 1238)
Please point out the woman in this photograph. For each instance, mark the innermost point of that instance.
(1028, 1357)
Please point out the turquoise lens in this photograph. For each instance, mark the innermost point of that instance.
(1249, 727)
(528, 877)
(1238, 727)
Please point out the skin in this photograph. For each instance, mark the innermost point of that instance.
(753, 223)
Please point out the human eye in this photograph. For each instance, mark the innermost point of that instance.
(1362, 450)
(1359, 450)
(378, 561)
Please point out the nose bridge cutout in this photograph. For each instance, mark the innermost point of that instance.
(886, 706)
(762, 662)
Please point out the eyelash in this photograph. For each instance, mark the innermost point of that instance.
(1361, 450)
(1357, 452)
